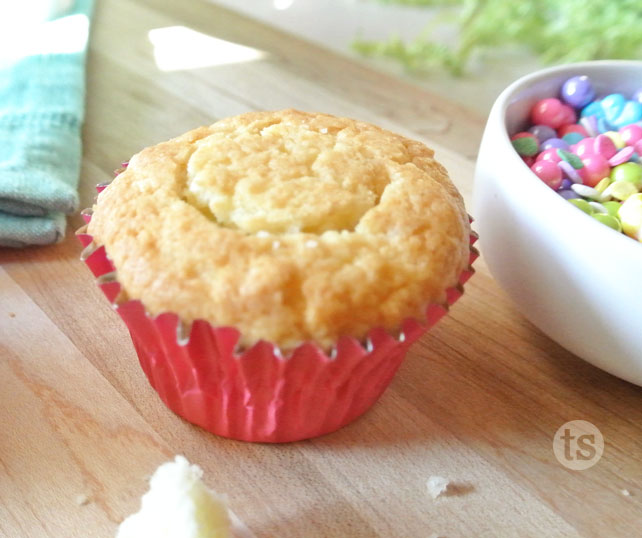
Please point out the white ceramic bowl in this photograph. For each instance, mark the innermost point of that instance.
(576, 279)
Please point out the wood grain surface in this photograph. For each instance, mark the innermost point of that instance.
(477, 401)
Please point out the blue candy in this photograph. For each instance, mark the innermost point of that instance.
(593, 109)
(619, 111)
(572, 138)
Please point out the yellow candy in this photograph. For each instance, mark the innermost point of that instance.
(630, 214)
(620, 190)
(601, 186)
(616, 138)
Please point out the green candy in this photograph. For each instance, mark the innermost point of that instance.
(570, 158)
(609, 220)
(582, 205)
(630, 172)
(525, 146)
(612, 207)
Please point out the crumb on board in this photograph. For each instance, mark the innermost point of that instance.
(82, 499)
(12, 314)
(626, 492)
(437, 485)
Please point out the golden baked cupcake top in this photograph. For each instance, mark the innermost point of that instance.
(289, 226)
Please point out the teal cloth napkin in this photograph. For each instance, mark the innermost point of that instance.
(42, 95)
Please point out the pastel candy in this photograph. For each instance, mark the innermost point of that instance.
(609, 220)
(612, 105)
(593, 109)
(630, 214)
(578, 91)
(622, 156)
(631, 113)
(542, 132)
(594, 161)
(604, 146)
(631, 134)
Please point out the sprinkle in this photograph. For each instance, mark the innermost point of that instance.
(324, 130)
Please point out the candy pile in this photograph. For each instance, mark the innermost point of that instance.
(590, 151)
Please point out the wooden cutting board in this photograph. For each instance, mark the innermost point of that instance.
(477, 401)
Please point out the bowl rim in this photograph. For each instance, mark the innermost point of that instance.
(499, 113)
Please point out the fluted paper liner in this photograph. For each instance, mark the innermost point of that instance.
(258, 394)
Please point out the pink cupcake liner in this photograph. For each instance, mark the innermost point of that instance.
(258, 394)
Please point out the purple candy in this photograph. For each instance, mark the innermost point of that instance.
(557, 143)
(542, 132)
(569, 171)
(568, 194)
(590, 124)
(565, 185)
(637, 96)
(578, 91)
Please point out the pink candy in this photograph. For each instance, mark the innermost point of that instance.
(571, 128)
(604, 146)
(631, 134)
(584, 147)
(549, 155)
(622, 156)
(548, 172)
(595, 168)
(586, 162)
(553, 113)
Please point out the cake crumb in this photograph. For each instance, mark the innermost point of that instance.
(311, 243)
(276, 244)
(178, 503)
(262, 233)
(82, 499)
(12, 314)
(626, 493)
(437, 485)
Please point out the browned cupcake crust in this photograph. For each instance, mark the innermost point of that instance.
(289, 226)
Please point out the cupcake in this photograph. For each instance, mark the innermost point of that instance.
(274, 267)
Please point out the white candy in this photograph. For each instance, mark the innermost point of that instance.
(589, 192)
(599, 208)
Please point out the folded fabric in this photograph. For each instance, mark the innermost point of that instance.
(41, 111)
